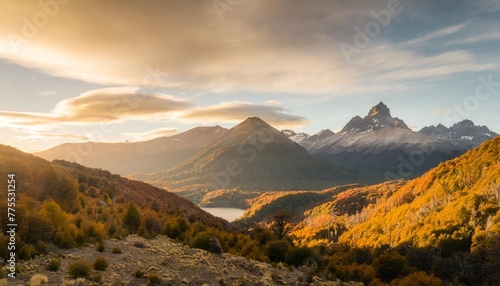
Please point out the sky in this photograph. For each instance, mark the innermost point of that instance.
(112, 71)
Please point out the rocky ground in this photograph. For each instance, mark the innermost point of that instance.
(174, 263)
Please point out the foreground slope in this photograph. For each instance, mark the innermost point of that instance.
(137, 158)
(253, 155)
(172, 262)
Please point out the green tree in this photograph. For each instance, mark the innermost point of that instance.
(132, 218)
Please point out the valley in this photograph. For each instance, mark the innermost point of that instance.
(268, 198)
(242, 143)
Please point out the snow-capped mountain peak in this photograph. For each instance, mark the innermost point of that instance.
(377, 118)
(295, 137)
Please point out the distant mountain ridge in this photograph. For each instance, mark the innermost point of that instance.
(464, 134)
(137, 158)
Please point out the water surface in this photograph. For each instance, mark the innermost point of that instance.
(229, 214)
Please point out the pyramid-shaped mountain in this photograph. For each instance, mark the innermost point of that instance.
(384, 145)
(253, 156)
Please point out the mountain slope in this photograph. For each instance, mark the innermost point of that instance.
(253, 155)
(383, 144)
(464, 134)
(449, 207)
(68, 183)
(138, 158)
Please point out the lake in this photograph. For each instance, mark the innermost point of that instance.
(229, 214)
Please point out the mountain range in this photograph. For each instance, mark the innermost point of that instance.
(138, 158)
(381, 144)
(464, 134)
(255, 156)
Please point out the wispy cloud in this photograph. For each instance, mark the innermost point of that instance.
(41, 135)
(441, 111)
(235, 112)
(436, 34)
(127, 103)
(102, 105)
(485, 37)
(271, 46)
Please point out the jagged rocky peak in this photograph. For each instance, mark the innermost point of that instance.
(463, 124)
(377, 118)
(464, 134)
(380, 109)
(441, 126)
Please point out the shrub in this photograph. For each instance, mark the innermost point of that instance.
(41, 247)
(215, 246)
(175, 227)
(100, 264)
(152, 223)
(116, 250)
(297, 255)
(27, 252)
(100, 247)
(139, 273)
(54, 264)
(132, 218)
(153, 279)
(207, 241)
(79, 269)
(276, 250)
(38, 279)
(389, 266)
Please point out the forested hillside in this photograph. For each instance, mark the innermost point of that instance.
(445, 223)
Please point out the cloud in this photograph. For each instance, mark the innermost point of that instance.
(102, 105)
(35, 136)
(437, 34)
(284, 46)
(126, 103)
(155, 133)
(235, 112)
(486, 37)
(441, 111)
